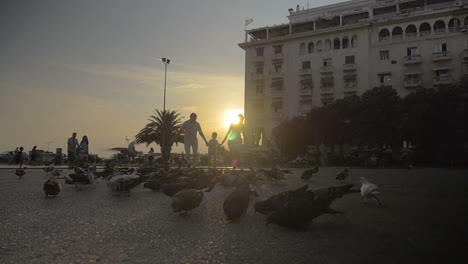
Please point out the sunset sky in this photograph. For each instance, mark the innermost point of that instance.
(94, 67)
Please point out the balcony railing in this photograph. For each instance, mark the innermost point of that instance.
(326, 89)
(412, 59)
(350, 86)
(442, 55)
(439, 30)
(305, 91)
(277, 56)
(465, 54)
(397, 37)
(411, 83)
(411, 35)
(257, 76)
(258, 58)
(305, 71)
(349, 66)
(442, 80)
(424, 33)
(276, 74)
(277, 92)
(277, 114)
(326, 69)
(385, 38)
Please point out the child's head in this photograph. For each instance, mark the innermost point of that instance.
(214, 135)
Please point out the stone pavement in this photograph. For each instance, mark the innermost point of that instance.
(423, 220)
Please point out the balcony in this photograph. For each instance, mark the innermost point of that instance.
(326, 90)
(257, 76)
(413, 59)
(326, 69)
(440, 56)
(413, 83)
(278, 114)
(351, 86)
(305, 71)
(464, 54)
(305, 92)
(258, 58)
(277, 93)
(277, 56)
(349, 67)
(276, 74)
(442, 80)
(411, 35)
(384, 38)
(425, 33)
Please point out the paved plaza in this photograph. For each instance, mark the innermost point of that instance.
(423, 220)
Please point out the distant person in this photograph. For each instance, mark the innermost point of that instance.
(191, 127)
(34, 154)
(84, 149)
(151, 151)
(19, 157)
(72, 145)
(13, 160)
(234, 137)
(213, 146)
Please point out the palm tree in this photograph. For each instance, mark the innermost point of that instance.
(164, 130)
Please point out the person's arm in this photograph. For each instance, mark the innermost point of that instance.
(201, 134)
(227, 134)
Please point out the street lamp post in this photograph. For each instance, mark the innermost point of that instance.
(166, 62)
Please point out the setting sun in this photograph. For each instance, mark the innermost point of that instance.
(231, 116)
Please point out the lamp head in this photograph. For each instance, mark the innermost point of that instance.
(168, 60)
(163, 60)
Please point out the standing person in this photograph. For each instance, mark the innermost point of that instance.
(213, 147)
(34, 154)
(19, 157)
(84, 149)
(191, 127)
(72, 144)
(234, 137)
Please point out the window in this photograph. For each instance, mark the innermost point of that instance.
(465, 68)
(384, 55)
(385, 79)
(302, 49)
(259, 88)
(277, 85)
(306, 65)
(327, 45)
(349, 60)
(306, 84)
(310, 47)
(412, 51)
(354, 42)
(442, 73)
(345, 43)
(278, 49)
(440, 47)
(277, 106)
(319, 46)
(412, 77)
(336, 44)
(259, 52)
(277, 67)
(259, 70)
(350, 78)
(327, 62)
(326, 82)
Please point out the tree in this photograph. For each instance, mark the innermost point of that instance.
(164, 130)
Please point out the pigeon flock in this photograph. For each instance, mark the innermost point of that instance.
(186, 187)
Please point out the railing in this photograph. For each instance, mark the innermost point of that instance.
(277, 56)
(412, 82)
(350, 86)
(257, 76)
(276, 73)
(444, 79)
(349, 66)
(276, 92)
(412, 59)
(326, 89)
(424, 33)
(397, 37)
(411, 35)
(385, 38)
(305, 71)
(326, 69)
(439, 30)
(442, 55)
(305, 91)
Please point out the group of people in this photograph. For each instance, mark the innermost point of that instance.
(234, 137)
(77, 152)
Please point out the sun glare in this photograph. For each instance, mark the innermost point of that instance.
(232, 116)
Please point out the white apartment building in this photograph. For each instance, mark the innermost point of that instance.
(329, 52)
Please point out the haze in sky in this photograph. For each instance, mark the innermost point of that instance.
(94, 66)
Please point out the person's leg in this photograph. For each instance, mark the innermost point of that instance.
(187, 144)
(195, 151)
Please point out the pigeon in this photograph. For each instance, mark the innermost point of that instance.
(80, 177)
(51, 187)
(236, 203)
(298, 210)
(307, 174)
(278, 200)
(369, 190)
(274, 174)
(186, 200)
(342, 175)
(122, 184)
(170, 189)
(48, 169)
(20, 172)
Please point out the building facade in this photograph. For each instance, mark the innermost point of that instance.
(329, 52)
